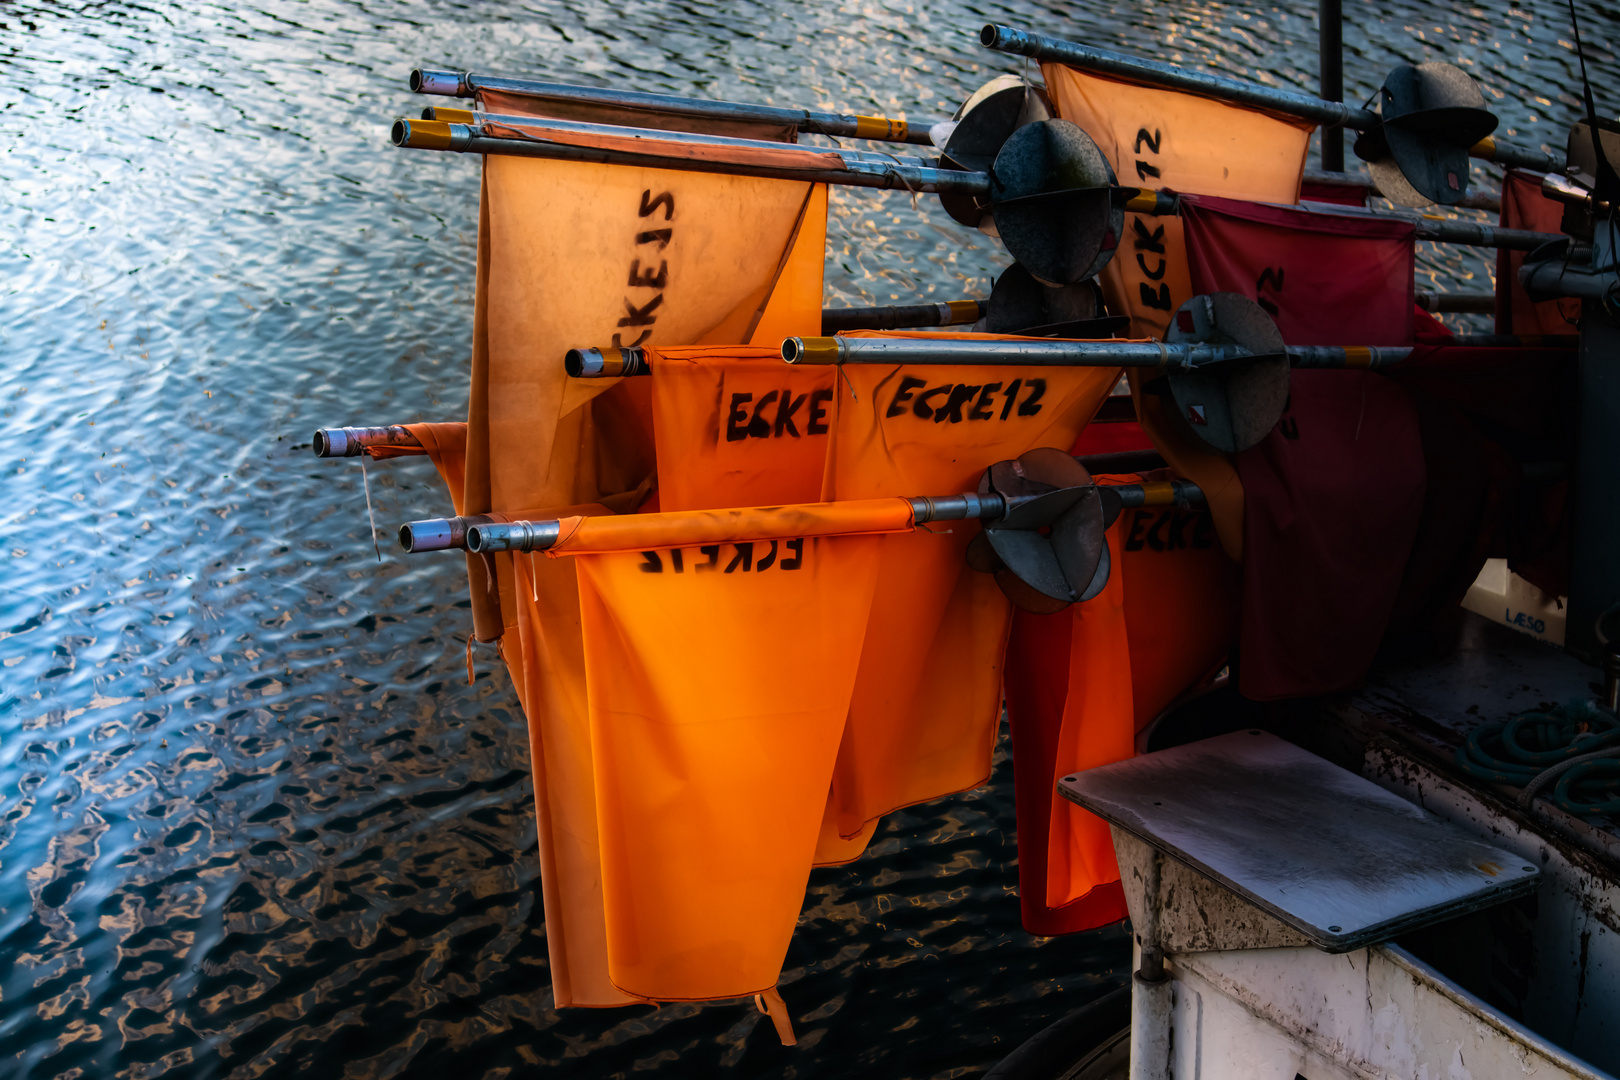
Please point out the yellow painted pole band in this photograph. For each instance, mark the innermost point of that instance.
(1158, 493)
(818, 350)
(612, 362)
(1357, 356)
(1485, 148)
(426, 134)
(451, 116)
(965, 311)
(880, 127)
(1144, 201)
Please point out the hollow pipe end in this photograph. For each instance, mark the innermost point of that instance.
(330, 443)
(813, 350)
(434, 534)
(428, 134)
(475, 539)
(443, 83)
(583, 363)
(989, 35)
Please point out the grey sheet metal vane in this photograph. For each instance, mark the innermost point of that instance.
(974, 136)
(1052, 537)
(1328, 853)
(1230, 406)
(1019, 304)
(1053, 197)
(1431, 116)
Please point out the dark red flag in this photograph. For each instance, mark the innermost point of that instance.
(1326, 278)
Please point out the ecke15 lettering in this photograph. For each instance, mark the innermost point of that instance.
(778, 554)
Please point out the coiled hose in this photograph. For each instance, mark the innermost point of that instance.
(1574, 747)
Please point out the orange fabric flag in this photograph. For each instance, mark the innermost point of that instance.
(1181, 603)
(443, 444)
(927, 701)
(1166, 139)
(716, 702)
(738, 427)
(648, 256)
(1190, 459)
(1164, 623)
(574, 254)
(546, 657)
(1097, 728)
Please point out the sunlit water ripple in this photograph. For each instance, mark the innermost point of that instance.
(253, 821)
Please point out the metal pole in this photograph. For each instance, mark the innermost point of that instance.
(1174, 356)
(1362, 183)
(1155, 73)
(1236, 91)
(352, 441)
(438, 534)
(540, 535)
(1510, 156)
(848, 350)
(1448, 230)
(1477, 303)
(1150, 986)
(827, 165)
(1429, 227)
(949, 313)
(1330, 58)
(840, 125)
(1158, 493)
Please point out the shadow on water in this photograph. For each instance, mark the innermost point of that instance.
(254, 822)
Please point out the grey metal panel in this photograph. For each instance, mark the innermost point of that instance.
(1331, 854)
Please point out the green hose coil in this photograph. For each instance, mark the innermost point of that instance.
(1517, 750)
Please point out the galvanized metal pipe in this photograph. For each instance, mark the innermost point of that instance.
(1171, 355)
(1360, 181)
(850, 350)
(1156, 73)
(1159, 493)
(1477, 303)
(1449, 230)
(466, 84)
(957, 507)
(1151, 994)
(513, 536)
(1007, 39)
(858, 168)
(606, 363)
(1330, 75)
(1511, 156)
(352, 441)
(438, 534)
(948, 313)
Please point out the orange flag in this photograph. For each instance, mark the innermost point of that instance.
(718, 679)
(1097, 729)
(738, 427)
(443, 444)
(1164, 623)
(927, 701)
(574, 254)
(1166, 139)
(647, 256)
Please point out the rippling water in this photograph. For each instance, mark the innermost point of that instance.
(253, 820)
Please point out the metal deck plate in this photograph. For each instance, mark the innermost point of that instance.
(1335, 856)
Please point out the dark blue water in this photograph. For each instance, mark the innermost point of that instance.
(253, 821)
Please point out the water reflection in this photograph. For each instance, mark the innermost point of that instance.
(253, 820)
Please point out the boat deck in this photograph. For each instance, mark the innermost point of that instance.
(1429, 705)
